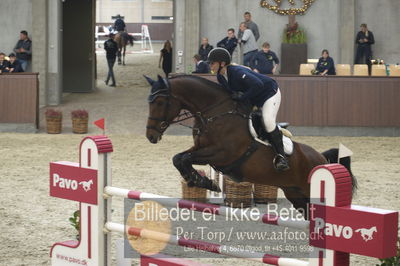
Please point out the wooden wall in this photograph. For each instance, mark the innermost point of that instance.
(19, 98)
(338, 101)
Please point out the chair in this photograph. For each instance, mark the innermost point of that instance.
(305, 69)
(360, 70)
(343, 70)
(394, 70)
(378, 70)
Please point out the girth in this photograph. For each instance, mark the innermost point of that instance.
(233, 169)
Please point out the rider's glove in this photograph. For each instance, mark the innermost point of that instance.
(237, 95)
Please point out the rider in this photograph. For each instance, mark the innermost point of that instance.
(119, 24)
(259, 90)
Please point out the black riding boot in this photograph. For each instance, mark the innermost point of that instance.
(280, 161)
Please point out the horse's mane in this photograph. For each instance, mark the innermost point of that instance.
(206, 82)
(213, 86)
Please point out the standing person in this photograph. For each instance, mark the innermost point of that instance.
(263, 61)
(3, 63)
(364, 40)
(259, 90)
(204, 49)
(23, 49)
(249, 44)
(201, 66)
(111, 48)
(325, 65)
(229, 42)
(251, 25)
(166, 58)
(14, 64)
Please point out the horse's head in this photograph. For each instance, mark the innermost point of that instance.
(164, 107)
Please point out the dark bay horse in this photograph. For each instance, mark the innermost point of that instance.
(222, 139)
(122, 39)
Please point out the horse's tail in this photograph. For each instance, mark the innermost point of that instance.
(332, 157)
(130, 39)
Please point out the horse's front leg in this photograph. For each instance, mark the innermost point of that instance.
(184, 163)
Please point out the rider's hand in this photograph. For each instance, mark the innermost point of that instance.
(237, 95)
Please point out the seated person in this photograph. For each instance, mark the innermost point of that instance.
(201, 66)
(263, 61)
(325, 65)
(14, 64)
(229, 42)
(3, 63)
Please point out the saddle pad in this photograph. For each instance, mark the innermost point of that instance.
(287, 142)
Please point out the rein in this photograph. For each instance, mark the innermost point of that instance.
(186, 115)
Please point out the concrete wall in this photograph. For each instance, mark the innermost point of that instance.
(327, 24)
(382, 18)
(134, 11)
(16, 15)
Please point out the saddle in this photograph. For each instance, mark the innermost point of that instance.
(257, 130)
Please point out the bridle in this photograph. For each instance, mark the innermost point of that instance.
(152, 97)
(164, 123)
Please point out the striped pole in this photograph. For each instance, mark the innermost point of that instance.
(204, 246)
(204, 207)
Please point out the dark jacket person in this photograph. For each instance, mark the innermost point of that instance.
(229, 42)
(325, 65)
(364, 40)
(201, 66)
(23, 49)
(111, 48)
(14, 64)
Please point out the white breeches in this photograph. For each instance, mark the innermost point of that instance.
(270, 111)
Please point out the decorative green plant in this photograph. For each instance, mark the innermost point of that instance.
(393, 261)
(293, 34)
(76, 222)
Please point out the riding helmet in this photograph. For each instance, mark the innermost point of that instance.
(219, 55)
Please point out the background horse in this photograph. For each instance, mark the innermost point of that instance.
(222, 139)
(122, 40)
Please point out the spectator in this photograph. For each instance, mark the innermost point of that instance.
(263, 61)
(229, 42)
(111, 48)
(251, 25)
(3, 63)
(325, 65)
(201, 66)
(23, 49)
(166, 58)
(364, 40)
(205, 49)
(14, 65)
(119, 24)
(249, 44)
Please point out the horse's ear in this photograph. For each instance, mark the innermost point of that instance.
(149, 80)
(161, 80)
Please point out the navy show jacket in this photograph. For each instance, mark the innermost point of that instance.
(256, 88)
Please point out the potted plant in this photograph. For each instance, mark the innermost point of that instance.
(54, 121)
(80, 121)
(294, 48)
